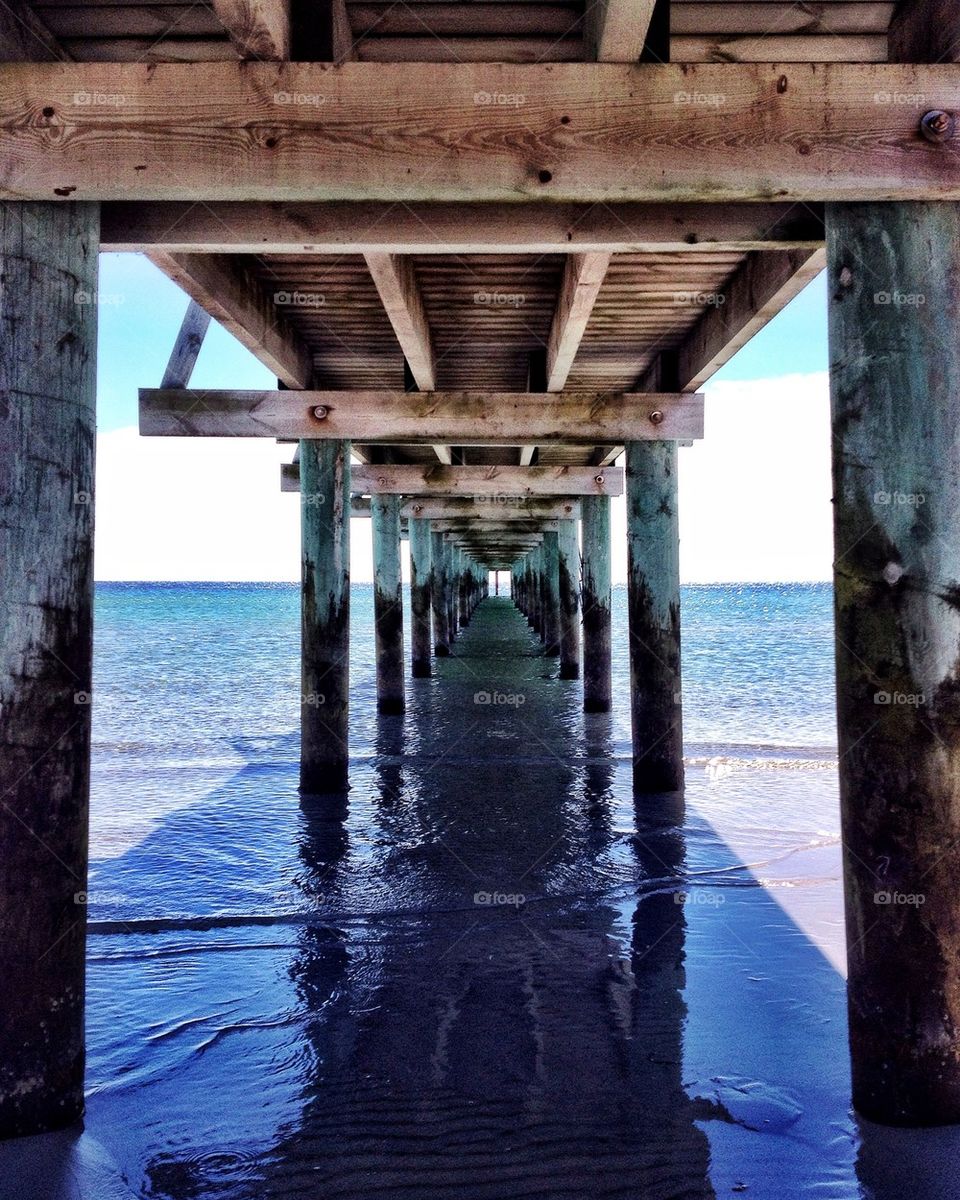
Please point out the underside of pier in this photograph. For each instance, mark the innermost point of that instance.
(492, 251)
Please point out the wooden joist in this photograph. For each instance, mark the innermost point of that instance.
(586, 132)
(616, 30)
(460, 418)
(229, 293)
(582, 279)
(260, 29)
(532, 228)
(25, 37)
(396, 283)
(756, 292)
(493, 528)
(186, 348)
(925, 31)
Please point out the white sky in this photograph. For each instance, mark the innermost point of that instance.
(754, 498)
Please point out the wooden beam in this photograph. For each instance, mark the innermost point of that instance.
(396, 284)
(763, 285)
(186, 348)
(401, 132)
(260, 29)
(231, 294)
(616, 30)
(503, 486)
(450, 508)
(583, 277)
(925, 31)
(424, 418)
(531, 228)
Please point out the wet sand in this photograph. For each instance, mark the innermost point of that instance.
(486, 972)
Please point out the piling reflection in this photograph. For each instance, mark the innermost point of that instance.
(483, 1021)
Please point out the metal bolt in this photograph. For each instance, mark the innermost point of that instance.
(381, 481)
(656, 417)
(321, 411)
(598, 479)
(937, 125)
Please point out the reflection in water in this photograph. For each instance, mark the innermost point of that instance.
(490, 1031)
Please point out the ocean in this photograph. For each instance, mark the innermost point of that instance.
(488, 970)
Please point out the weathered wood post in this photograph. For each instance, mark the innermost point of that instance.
(324, 615)
(894, 280)
(463, 590)
(387, 602)
(551, 592)
(595, 515)
(653, 597)
(438, 595)
(450, 594)
(48, 342)
(569, 583)
(536, 590)
(420, 665)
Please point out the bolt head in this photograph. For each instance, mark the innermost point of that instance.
(320, 412)
(937, 126)
(656, 417)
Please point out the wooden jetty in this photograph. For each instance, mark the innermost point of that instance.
(490, 250)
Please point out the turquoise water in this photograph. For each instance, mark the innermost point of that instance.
(488, 971)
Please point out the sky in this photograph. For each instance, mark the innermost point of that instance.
(754, 495)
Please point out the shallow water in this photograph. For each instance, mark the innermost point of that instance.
(487, 971)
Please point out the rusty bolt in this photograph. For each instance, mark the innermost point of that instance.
(656, 417)
(381, 481)
(937, 125)
(321, 411)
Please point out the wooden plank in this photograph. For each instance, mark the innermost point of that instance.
(231, 295)
(396, 282)
(463, 418)
(791, 48)
(531, 228)
(183, 357)
(582, 279)
(925, 31)
(260, 29)
(466, 20)
(493, 529)
(403, 133)
(756, 292)
(343, 44)
(616, 30)
(430, 49)
(773, 17)
(445, 508)
(153, 21)
(148, 50)
(504, 486)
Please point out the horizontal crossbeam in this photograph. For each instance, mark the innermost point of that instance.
(423, 418)
(446, 508)
(408, 132)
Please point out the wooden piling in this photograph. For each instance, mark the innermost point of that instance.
(420, 664)
(48, 341)
(894, 292)
(568, 574)
(325, 614)
(550, 575)
(387, 602)
(653, 596)
(451, 577)
(595, 596)
(438, 591)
